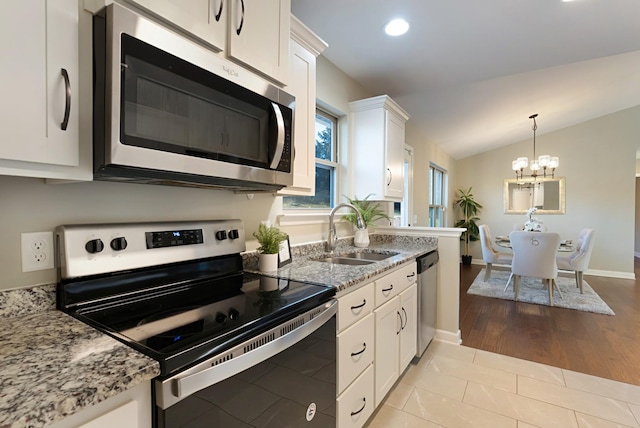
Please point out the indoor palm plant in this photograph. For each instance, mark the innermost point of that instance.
(470, 208)
(370, 212)
(269, 238)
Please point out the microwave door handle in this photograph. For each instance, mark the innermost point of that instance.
(280, 139)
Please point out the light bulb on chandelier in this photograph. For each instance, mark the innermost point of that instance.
(545, 161)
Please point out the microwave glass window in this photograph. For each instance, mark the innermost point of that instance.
(170, 105)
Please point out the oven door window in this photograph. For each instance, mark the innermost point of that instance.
(170, 105)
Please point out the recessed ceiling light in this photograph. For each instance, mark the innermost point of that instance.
(396, 27)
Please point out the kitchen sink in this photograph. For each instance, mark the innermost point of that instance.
(368, 256)
(356, 258)
(344, 261)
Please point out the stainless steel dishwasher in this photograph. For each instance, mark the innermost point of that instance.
(427, 293)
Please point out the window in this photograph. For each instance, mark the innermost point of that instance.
(437, 199)
(402, 210)
(326, 167)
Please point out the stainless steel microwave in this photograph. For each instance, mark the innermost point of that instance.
(167, 110)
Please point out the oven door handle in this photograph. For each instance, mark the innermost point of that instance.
(184, 384)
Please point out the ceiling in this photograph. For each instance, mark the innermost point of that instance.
(470, 73)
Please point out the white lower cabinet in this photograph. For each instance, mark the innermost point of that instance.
(377, 323)
(355, 405)
(396, 328)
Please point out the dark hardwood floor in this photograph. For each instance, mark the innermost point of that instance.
(600, 345)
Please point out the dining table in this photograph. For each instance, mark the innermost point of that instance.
(566, 246)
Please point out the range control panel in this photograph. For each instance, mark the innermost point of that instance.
(102, 248)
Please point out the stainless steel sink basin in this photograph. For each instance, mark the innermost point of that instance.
(356, 258)
(344, 261)
(368, 256)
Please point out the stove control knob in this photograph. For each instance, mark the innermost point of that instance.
(221, 235)
(221, 318)
(233, 234)
(119, 244)
(234, 314)
(94, 246)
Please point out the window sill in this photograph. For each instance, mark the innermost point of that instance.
(299, 219)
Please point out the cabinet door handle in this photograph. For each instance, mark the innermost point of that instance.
(412, 275)
(399, 316)
(67, 102)
(406, 319)
(364, 348)
(364, 302)
(239, 29)
(364, 399)
(390, 176)
(219, 14)
(384, 290)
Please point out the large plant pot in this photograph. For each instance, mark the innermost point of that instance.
(268, 262)
(466, 260)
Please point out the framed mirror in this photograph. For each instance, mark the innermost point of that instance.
(546, 194)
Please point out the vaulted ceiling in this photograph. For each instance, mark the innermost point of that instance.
(470, 73)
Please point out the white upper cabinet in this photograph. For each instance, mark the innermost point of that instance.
(259, 35)
(304, 47)
(376, 129)
(39, 85)
(254, 33)
(205, 19)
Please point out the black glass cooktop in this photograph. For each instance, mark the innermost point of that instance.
(183, 324)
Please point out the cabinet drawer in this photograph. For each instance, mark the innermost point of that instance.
(355, 306)
(355, 351)
(391, 285)
(355, 405)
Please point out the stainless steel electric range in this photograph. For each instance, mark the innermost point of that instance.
(176, 292)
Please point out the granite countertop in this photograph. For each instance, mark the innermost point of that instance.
(304, 268)
(52, 365)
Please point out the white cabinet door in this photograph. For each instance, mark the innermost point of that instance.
(409, 328)
(386, 364)
(205, 19)
(376, 129)
(39, 44)
(259, 35)
(394, 149)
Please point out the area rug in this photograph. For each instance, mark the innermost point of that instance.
(532, 291)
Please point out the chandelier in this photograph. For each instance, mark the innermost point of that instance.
(545, 161)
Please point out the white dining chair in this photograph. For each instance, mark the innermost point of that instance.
(578, 261)
(490, 255)
(534, 256)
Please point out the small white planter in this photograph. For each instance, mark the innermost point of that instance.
(268, 262)
(361, 238)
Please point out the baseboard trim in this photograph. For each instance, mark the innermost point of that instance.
(593, 272)
(448, 337)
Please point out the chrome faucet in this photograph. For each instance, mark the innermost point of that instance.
(333, 235)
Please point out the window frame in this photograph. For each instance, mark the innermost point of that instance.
(441, 208)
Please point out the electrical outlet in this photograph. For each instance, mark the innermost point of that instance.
(37, 251)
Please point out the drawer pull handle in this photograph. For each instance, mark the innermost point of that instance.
(412, 275)
(384, 290)
(353, 354)
(364, 399)
(399, 316)
(364, 302)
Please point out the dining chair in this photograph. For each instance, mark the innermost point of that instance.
(489, 254)
(578, 261)
(534, 256)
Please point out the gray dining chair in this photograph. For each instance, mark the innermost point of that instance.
(578, 261)
(534, 256)
(489, 254)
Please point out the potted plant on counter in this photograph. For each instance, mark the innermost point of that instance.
(470, 209)
(370, 211)
(269, 238)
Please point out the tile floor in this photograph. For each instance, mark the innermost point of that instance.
(456, 386)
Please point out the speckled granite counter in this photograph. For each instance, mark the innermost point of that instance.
(52, 365)
(304, 268)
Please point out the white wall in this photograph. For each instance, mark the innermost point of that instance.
(598, 159)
